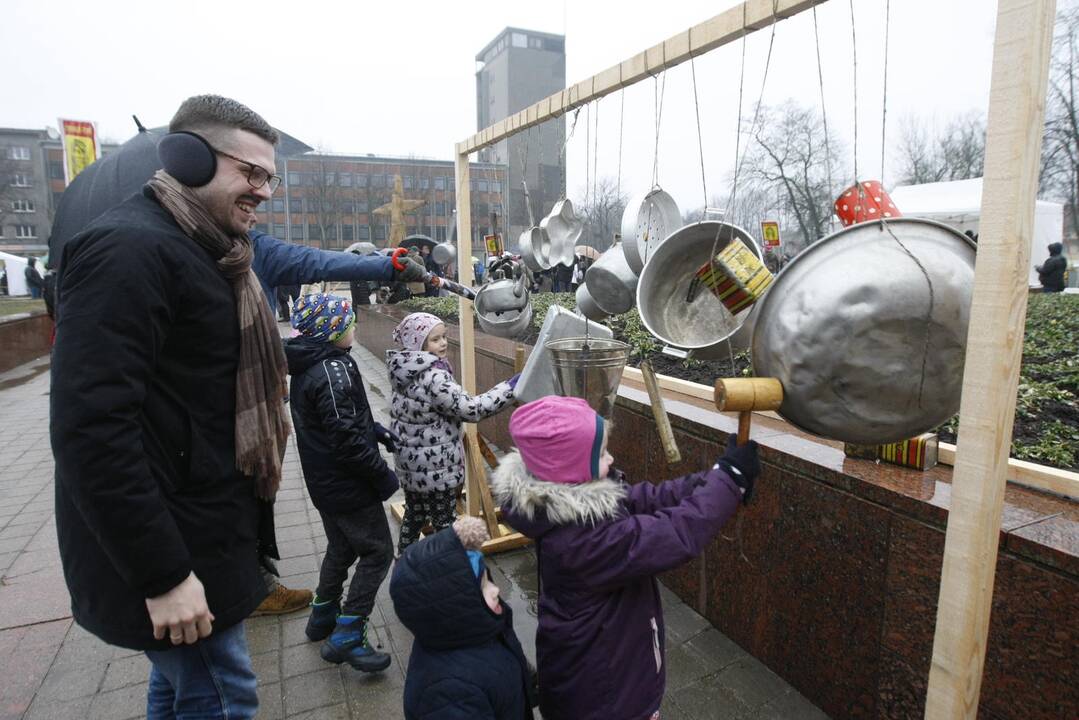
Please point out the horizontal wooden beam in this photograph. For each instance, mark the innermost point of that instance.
(728, 26)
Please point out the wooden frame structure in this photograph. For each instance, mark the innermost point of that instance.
(994, 346)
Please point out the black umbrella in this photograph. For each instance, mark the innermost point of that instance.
(103, 185)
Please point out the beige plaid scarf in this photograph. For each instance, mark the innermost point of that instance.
(261, 424)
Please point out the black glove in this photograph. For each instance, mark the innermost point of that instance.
(743, 465)
(388, 438)
(387, 485)
(411, 271)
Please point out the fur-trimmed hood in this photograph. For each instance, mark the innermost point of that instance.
(538, 505)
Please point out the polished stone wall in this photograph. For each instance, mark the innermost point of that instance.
(831, 575)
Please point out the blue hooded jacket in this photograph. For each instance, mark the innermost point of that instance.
(466, 661)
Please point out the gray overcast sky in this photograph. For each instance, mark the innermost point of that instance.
(397, 78)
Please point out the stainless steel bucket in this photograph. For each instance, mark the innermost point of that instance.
(589, 368)
(664, 287)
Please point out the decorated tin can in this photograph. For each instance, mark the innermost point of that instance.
(919, 452)
(736, 276)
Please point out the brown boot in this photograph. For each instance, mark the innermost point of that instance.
(282, 601)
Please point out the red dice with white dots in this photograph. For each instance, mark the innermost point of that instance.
(863, 202)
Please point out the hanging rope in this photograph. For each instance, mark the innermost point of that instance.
(595, 157)
(524, 176)
(854, 50)
(562, 153)
(700, 142)
(824, 119)
(587, 147)
(884, 110)
(621, 118)
(658, 91)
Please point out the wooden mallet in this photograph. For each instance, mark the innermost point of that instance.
(745, 395)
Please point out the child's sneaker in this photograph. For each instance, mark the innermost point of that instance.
(348, 643)
(323, 618)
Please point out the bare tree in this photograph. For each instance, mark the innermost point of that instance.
(789, 162)
(1060, 147)
(324, 202)
(601, 209)
(956, 153)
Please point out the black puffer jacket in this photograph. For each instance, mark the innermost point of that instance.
(1051, 273)
(143, 408)
(466, 661)
(335, 431)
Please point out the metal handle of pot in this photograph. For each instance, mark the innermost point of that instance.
(659, 413)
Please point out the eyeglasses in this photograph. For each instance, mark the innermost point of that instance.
(257, 176)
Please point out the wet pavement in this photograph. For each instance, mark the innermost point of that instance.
(51, 668)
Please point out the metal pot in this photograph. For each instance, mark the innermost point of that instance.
(611, 282)
(444, 253)
(535, 248)
(869, 341)
(503, 307)
(587, 306)
(664, 286)
(647, 221)
(362, 248)
(563, 229)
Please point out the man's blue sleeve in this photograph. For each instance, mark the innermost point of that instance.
(280, 263)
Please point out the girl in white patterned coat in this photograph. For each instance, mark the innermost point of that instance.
(428, 407)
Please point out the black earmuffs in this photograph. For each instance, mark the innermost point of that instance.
(188, 158)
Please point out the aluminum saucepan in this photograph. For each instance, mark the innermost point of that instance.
(664, 287)
(611, 282)
(587, 306)
(535, 249)
(444, 253)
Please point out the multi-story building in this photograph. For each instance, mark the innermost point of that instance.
(31, 181)
(327, 200)
(516, 69)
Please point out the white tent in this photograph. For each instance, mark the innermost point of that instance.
(959, 204)
(16, 273)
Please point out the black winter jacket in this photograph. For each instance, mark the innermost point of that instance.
(335, 431)
(466, 661)
(142, 421)
(1051, 273)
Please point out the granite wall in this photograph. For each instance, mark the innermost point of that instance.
(831, 575)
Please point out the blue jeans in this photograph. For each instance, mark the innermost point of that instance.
(211, 679)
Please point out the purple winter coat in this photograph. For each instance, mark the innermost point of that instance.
(599, 646)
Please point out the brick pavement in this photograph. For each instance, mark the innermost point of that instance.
(51, 668)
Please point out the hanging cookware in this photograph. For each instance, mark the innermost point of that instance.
(444, 253)
(670, 302)
(587, 306)
(563, 230)
(503, 306)
(647, 221)
(611, 283)
(866, 330)
(535, 249)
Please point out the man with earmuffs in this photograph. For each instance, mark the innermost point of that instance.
(167, 417)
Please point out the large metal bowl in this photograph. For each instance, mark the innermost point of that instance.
(665, 283)
(868, 348)
(647, 221)
(611, 282)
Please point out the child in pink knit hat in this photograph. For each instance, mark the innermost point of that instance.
(428, 407)
(599, 545)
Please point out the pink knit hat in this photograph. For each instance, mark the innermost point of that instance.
(412, 332)
(559, 439)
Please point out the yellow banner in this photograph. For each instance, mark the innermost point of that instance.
(80, 147)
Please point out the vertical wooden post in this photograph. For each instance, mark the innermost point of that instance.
(994, 351)
(464, 312)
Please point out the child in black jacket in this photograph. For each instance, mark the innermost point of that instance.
(346, 476)
(466, 661)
